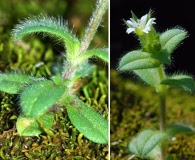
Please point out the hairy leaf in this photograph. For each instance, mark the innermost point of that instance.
(85, 70)
(58, 80)
(170, 39)
(146, 141)
(36, 99)
(88, 121)
(150, 76)
(163, 56)
(98, 52)
(181, 81)
(14, 83)
(30, 127)
(174, 129)
(48, 25)
(135, 60)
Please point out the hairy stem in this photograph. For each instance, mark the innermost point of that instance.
(162, 100)
(94, 23)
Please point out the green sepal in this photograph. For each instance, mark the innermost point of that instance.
(171, 38)
(134, 16)
(14, 83)
(149, 14)
(135, 60)
(36, 99)
(91, 124)
(98, 52)
(184, 82)
(146, 141)
(27, 126)
(173, 129)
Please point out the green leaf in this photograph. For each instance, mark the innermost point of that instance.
(150, 76)
(170, 39)
(181, 81)
(88, 121)
(100, 53)
(14, 83)
(146, 141)
(85, 70)
(58, 80)
(30, 127)
(163, 56)
(36, 99)
(174, 129)
(135, 60)
(47, 25)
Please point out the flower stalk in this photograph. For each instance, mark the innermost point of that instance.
(162, 100)
(94, 23)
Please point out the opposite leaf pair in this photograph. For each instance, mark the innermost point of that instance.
(156, 51)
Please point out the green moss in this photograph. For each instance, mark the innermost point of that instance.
(67, 142)
(134, 107)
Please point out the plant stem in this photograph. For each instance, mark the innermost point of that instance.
(162, 91)
(162, 100)
(94, 23)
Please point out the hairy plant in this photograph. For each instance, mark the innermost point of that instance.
(38, 95)
(148, 63)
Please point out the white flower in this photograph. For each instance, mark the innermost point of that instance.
(142, 24)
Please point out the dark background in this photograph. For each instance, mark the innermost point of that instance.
(168, 14)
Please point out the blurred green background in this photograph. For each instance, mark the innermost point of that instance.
(76, 13)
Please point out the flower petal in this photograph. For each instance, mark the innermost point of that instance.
(143, 20)
(146, 30)
(134, 21)
(132, 24)
(150, 22)
(129, 30)
(144, 24)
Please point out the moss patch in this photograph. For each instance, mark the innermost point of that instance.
(67, 142)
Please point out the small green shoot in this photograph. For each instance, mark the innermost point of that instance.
(146, 141)
(148, 63)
